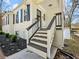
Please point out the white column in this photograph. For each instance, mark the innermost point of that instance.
(48, 43)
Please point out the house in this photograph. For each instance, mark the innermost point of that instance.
(40, 22)
(75, 26)
(0, 22)
(7, 22)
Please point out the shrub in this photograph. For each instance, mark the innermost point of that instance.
(7, 35)
(2, 33)
(13, 38)
(10, 36)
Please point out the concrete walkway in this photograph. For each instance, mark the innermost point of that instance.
(1, 55)
(24, 54)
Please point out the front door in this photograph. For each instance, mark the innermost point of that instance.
(39, 17)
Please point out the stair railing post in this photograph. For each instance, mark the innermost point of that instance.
(38, 24)
(27, 37)
(48, 43)
(50, 36)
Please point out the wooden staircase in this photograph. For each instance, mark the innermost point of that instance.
(41, 42)
(38, 43)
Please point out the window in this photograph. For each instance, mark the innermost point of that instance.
(13, 18)
(8, 19)
(28, 12)
(21, 15)
(16, 32)
(25, 15)
(59, 20)
(3, 21)
(17, 17)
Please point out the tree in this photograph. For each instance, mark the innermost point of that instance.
(1, 1)
(2, 11)
(70, 12)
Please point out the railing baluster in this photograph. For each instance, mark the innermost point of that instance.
(31, 30)
(27, 37)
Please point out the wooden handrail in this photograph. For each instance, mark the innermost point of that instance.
(58, 13)
(31, 25)
(51, 22)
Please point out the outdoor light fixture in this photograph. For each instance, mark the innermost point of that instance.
(50, 5)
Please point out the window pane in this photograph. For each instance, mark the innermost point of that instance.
(25, 15)
(28, 12)
(58, 20)
(21, 15)
(13, 18)
(8, 19)
(3, 22)
(17, 17)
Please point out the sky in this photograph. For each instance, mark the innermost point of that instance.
(68, 3)
(11, 4)
(75, 17)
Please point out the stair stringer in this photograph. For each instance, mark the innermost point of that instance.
(53, 52)
(39, 52)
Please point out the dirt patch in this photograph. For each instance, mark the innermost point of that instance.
(8, 47)
(72, 46)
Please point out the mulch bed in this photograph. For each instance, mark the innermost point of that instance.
(8, 47)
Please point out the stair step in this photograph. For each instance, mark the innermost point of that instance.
(39, 52)
(44, 29)
(41, 33)
(40, 36)
(39, 41)
(38, 47)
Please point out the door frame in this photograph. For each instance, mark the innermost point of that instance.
(39, 15)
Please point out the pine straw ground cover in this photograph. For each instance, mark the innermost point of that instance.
(72, 46)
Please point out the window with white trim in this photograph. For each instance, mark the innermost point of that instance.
(17, 17)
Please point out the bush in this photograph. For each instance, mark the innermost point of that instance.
(2, 33)
(7, 35)
(13, 38)
(10, 36)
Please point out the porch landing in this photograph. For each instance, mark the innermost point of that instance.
(24, 54)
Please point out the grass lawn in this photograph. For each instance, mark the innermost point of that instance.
(72, 46)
